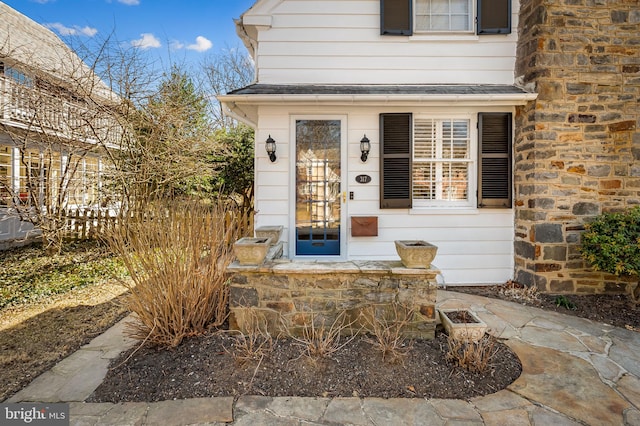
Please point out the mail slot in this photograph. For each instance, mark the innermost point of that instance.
(364, 226)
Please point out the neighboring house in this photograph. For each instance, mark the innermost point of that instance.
(496, 129)
(49, 125)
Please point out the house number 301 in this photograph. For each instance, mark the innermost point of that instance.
(363, 178)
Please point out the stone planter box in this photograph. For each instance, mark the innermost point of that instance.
(251, 251)
(416, 253)
(272, 232)
(465, 325)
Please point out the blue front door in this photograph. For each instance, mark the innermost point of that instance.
(318, 187)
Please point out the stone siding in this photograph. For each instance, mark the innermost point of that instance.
(287, 296)
(577, 147)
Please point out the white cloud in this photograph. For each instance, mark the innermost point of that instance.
(88, 31)
(130, 2)
(201, 45)
(176, 45)
(148, 41)
(72, 31)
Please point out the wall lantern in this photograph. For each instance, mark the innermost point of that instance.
(271, 148)
(365, 147)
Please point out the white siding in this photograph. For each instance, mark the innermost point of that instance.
(475, 245)
(339, 42)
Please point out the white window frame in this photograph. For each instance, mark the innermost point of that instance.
(471, 160)
(470, 21)
(17, 76)
(7, 178)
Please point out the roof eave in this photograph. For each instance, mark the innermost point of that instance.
(383, 99)
(244, 113)
(258, 17)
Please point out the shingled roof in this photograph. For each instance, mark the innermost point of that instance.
(242, 103)
(375, 89)
(35, 48)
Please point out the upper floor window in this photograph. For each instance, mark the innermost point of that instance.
(443, 15)
(404, 17)
(16, 75)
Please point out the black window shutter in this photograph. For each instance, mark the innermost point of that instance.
(396, 17)
(494, 16)
(395, 160)
(494, 160)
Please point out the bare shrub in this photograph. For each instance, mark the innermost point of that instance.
(387, 331)
(520, 292)
(253, 344)
(318, 341)
(474, 357)
(176, 255)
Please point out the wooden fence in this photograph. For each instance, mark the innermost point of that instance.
(87, 224)
(90, 224)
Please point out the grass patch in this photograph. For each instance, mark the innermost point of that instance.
(28, 275)
(52, 305)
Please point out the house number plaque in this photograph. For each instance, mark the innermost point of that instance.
(363, 178)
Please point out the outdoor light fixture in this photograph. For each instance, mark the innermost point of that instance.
(365, 147)
(271, 148)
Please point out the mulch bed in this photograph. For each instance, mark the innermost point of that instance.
(613, 309)
(205, 366)
(460, 317)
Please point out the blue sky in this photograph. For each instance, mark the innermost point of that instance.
(185, 30)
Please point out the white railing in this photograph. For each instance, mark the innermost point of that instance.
(35, 109)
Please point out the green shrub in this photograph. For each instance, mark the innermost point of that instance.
(611, 243)
(562, 301)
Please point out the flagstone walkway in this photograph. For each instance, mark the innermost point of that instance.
(575, 372)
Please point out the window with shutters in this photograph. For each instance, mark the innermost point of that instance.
(406, 17)
(441, 162)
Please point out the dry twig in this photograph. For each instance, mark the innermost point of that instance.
(388, 332)
(320, 341)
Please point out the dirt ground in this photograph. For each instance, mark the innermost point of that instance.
(33, 338)
(614, 309)
(210, 366)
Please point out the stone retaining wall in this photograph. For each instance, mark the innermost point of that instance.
(577, 147)
(286, 296)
